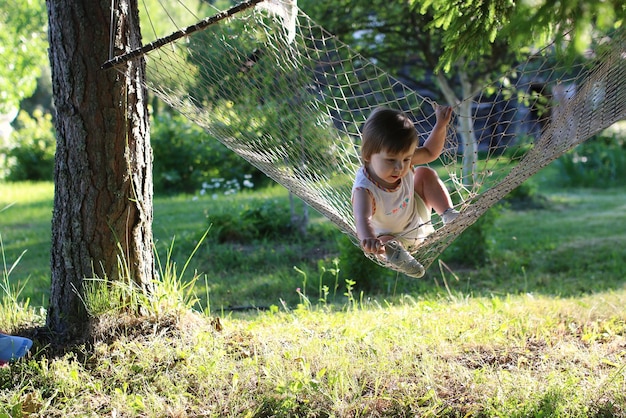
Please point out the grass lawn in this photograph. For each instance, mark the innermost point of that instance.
(575, 246)
(539, 331)
(25, 215)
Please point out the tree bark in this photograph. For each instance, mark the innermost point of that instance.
(102, 217)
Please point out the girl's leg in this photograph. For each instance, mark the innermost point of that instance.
(431, 189)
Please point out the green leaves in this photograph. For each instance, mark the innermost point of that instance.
(470, 27)
(23, 49)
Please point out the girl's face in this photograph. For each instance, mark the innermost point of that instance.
(387, 169)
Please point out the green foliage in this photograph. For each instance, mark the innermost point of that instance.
(23, 38)
(368, 275)
(186, 157)
(526, 196)
(523, 144)
(30, 154)
(256, 98)
(473, 247)
(267, 219)
(465, 32)
(482, 29)
(599, 162)
(392, 33)
(574, 19)
(515, 23)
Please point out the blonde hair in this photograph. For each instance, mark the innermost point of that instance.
(387, 130)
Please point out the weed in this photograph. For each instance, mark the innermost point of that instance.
(13, 310)
(10, 291)
(324, 290)
(171, 291)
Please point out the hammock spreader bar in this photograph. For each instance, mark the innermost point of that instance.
(121, 59)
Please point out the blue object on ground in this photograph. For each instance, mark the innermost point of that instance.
(13, 347)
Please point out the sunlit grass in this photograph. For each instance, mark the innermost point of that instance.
(25, 224)
(14, 309)
(454, 356)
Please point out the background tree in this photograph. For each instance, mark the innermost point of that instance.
(249, 95)
(470, 27)
(448, 50)
(402, 39)
(22, 51)
(102, 218)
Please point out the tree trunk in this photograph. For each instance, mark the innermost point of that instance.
(103, 168)
(470, 144)
(465, 126)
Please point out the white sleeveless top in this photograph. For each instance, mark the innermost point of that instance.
(399, 212)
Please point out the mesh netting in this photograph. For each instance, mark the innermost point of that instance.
(283, 93)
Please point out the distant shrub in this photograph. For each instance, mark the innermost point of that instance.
(473, 247)
(30, 152)
(265, 220)
(599, 162)
(517, 151)
(526, 196)
(187, 159)
(355, 266)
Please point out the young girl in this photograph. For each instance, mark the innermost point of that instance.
(392, 201)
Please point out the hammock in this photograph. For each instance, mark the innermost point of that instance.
(287, 96)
